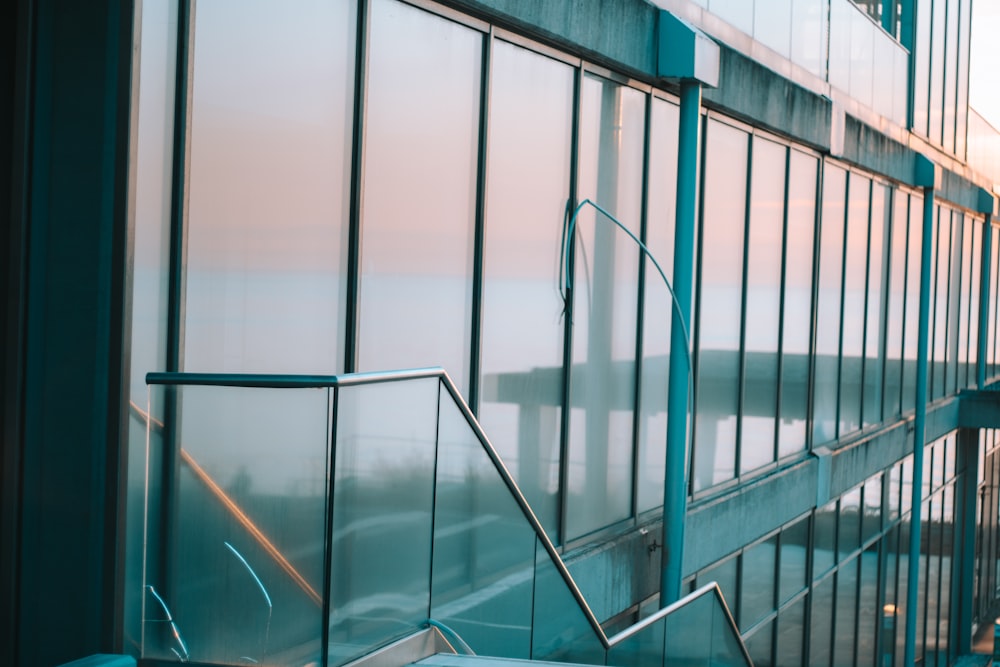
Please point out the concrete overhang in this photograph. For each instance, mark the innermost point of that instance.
(685, 53)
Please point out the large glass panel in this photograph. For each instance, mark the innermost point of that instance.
(605, 303)
(911, 324)
(965, 292)
(831, 272)
(268, 186)
(243, 573)
(975, 285)
(797, 308)
(892, 403)
(841, 13)
(949, 112)
(809, 35)
(821, 624)
(871, 513)
(962, 93)
(824, 538)
(792, 571)
(772, 24)
(148, 280)
(849, 533)
(855, 263)
(700, 634)
(955, 301)
(561, 632)
(937, 46)
(720, 303)
(522, 337)
(790, 635)
(757, 582)
(763, 304)
(875, 320)
(869, 613)
(725, 574)
(421, 142)
(735, 12)
(759, 645)
(862, 56)
(942, 258)
(484, 548)
(846, 616)
(658, 304)
(383, 496)
(921, 67)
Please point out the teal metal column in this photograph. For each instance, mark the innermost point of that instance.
(984, 302)
(919, 419)
(680, 381)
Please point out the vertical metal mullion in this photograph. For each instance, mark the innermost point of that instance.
(843, 291)
(640, 310)
(333, 403)
(814, 299)
(780, 362)
(170, 462)
(476, 342)
(356, 211)
(741, 387)
(864, 319)
(569, 246)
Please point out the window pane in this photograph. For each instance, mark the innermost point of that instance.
(831, 271)
(799, 237)
(720, 304)
(821, 624)
(605, 293)
(522, 354)
(824, 538)
(852, 350)
(846, 616)
(658, 305)
(269, 176)
(416, 279)
(911, 325)
(794, 547)
(894, 319)
(875, 326)
(975, 260)
(955, 301)
(763, 304)
(791, 626)
(757, 582)
(942, 255)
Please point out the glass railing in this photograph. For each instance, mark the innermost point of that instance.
(310, 520)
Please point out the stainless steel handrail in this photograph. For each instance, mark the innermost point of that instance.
(282, 381)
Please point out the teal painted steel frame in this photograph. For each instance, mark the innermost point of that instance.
(919, 419)
(675, 485)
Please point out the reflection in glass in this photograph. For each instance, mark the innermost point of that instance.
(269, 176)
(869, 612)
(483, 547)
(974, 305)
(245, 569)
(720, 304)
(422, 131)
(853, 330)
(798, 286)
(148, 278)
(522, 351)
(763, 304)
(965, 291)
(892, 404)
(757, 579)
(831, 272)
(809, 35)
(941, 254)
(824, 538)
(849, 533)
(772, 24)
(956, 300)
(875, 327)
(921, 68)
(821, 624)
(725, 574)
(792, 569)
(911, 325)
(383, 495)
(790, 631)
(759, 645)
(846, 616)
(605, 303)
(657, 304)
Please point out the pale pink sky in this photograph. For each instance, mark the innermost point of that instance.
(984, 69)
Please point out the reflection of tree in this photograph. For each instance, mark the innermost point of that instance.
(241, 484)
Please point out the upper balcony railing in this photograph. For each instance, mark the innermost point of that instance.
(311, 520)
(835, 40)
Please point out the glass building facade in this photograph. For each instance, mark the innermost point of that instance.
(332, 188)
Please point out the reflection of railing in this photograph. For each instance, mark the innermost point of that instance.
(492, 569)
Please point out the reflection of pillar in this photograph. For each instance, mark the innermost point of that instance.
(598, 387)
(964, 562)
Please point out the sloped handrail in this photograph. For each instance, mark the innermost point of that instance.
(281, 381)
